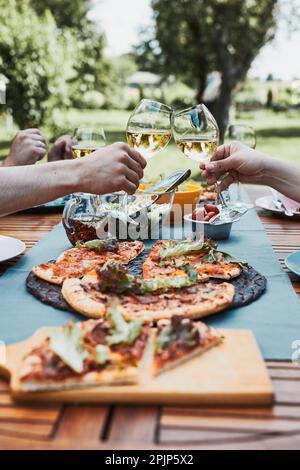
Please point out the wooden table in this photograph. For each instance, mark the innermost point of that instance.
(152, 427)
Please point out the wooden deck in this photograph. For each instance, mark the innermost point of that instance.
(152, 427)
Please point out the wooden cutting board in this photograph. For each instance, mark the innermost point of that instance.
(231, 373)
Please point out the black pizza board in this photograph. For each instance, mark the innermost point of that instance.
(249, 286)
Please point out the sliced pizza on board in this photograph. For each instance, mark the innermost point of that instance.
(178, 340)
(174, 258)
(94, 352)
(78, 261)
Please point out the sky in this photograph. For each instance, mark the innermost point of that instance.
(121, 20)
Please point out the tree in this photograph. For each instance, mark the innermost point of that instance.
(37, 59)
(93, 71)
(191, 38)
(70, 13)
(48, 67)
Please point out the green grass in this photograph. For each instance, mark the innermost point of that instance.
(277, 134)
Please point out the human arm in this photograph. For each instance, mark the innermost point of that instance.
(237, 162)
(110, 169)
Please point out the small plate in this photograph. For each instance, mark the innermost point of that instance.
(266, 203)
(59, 202)
(10, 247)
(292, 262)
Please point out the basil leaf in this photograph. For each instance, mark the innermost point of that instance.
(122, 332)
(67, 344)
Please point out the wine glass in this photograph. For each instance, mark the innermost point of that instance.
(245, 134)
(196, 134)
(149, 128)
(87, 140)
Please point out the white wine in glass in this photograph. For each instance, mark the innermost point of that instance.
(197, 148)
(149, 128)
(148, 142)
(196, 132)
(87, 141)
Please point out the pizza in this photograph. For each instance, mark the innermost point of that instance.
(94, 352)
(149, 300)
(178, 340)
(111, 351)
(78, 261)
(171, 258)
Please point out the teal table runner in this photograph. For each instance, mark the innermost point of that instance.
(274, 318)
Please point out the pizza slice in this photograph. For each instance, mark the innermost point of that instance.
(178, 340)
(172, 258)
(146, 299)
(101, 352)
(78, 261)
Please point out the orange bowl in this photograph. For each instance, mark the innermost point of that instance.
(185, 201)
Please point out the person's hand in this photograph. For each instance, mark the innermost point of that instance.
(27, 148)
(116, 167)
(236, 162)
(61, 149)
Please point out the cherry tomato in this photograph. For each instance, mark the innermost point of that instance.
(211, 208)
(198, 214)
(209, 216)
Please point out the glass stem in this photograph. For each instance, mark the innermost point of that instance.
(238, 192)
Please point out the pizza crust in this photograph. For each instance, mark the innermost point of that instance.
(129, 375)
(47, 275)
(74, 293)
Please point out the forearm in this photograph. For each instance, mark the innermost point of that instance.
(27, 186)
(283, 176)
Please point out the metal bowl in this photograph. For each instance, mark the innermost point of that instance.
(219, 231)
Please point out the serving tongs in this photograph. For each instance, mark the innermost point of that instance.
(170, 182)
(163, 187)
(231, 215)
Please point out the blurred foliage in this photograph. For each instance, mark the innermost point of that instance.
(191, 38)
(49, 67)
(273, 94)
(69, 13)
(178, 95)
(36, 59)
(122, 68)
